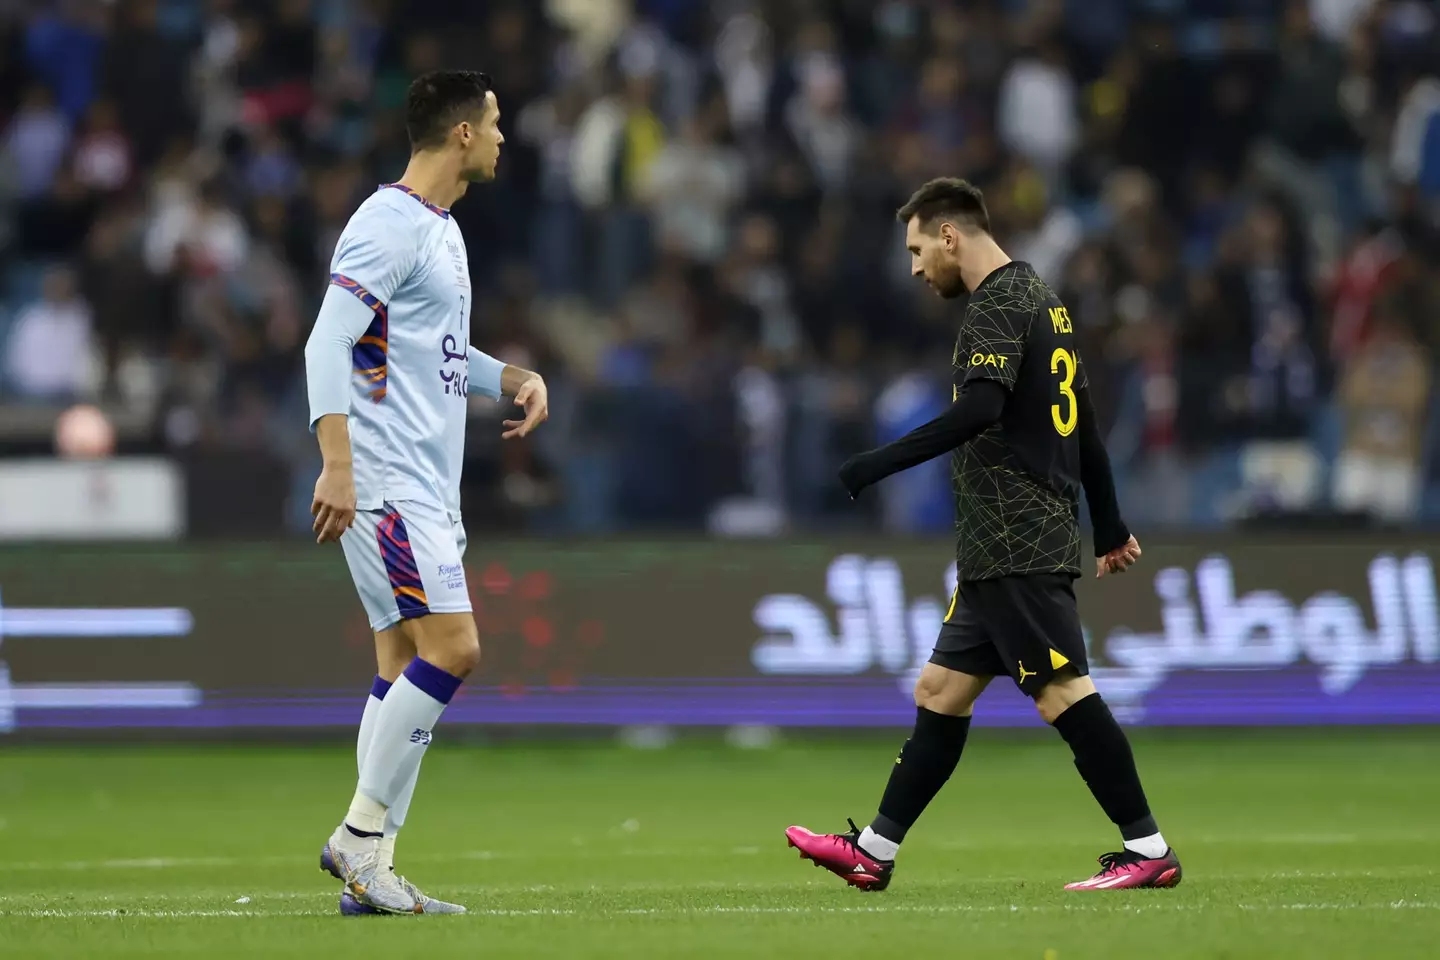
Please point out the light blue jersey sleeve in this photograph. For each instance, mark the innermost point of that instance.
(375, 255)
(485, 373)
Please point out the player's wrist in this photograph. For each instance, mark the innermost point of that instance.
(1110, 540)
(513, 378)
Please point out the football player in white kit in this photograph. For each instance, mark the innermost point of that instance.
(389, 367)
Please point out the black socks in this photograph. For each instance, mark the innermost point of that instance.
(1105, 761)
(926, 761)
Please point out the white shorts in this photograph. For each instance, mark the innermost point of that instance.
(405, 560)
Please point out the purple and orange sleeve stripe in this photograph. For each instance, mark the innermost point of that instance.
(370, 356)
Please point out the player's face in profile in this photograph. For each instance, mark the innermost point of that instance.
(481, 142)
(935, 256)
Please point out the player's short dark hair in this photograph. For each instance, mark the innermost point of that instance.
(947, 198)
(440, 99)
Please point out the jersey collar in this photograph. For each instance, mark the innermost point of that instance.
(438, 211)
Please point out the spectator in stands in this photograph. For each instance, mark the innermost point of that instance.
(1384, 395)
(146, 71)
(50, 356)
(199, 236)
(1037, 110)
(616, 140)
(1415, 149)
(36, 141)
(819, 122)
(103, 159)
(1306, 126)
(63, 43)
(692, 187)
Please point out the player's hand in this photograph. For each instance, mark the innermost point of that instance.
(534, 398)
(334, 505)
(855, 474)
(1118, 560)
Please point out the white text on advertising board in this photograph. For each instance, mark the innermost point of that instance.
(866, 623)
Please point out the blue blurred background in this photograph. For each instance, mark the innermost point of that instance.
(692, 237)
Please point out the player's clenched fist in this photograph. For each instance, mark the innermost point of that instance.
(1118, 560)
(334, 505)
(534, 398)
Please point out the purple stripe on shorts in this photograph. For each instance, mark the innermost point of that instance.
(400, 566)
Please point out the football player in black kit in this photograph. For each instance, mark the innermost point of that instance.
(1023, 441)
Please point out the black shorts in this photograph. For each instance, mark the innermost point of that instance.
(1027, 626)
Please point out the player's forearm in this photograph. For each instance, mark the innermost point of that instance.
(332, 431)
(1098, 480)
(486, 375)
(495, 378)
(978, 406)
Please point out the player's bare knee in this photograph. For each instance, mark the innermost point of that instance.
(1065, 689)
(449, 641)
(463, 651)
(947, 692)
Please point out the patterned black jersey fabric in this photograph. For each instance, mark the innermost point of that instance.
(1017, 485)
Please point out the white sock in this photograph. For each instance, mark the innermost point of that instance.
(395, 819)
(403, 727)
(1152, 847)
(367, 731)
(362, 813)
(877, 846)
(395, 815)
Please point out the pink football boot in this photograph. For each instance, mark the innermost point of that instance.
(840, 853)
(1128, 870)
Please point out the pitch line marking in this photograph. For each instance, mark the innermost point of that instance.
(121, 914)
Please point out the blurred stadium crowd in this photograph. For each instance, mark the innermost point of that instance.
(693, 235)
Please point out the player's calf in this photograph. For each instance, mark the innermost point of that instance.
(944, 701)
(1105, 761)
(402, 730)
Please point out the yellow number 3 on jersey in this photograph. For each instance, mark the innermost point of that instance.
(1062, 363)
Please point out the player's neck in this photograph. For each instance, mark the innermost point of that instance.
(984, 259)
(436, 177)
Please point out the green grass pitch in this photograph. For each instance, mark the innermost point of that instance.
(1312, 845)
